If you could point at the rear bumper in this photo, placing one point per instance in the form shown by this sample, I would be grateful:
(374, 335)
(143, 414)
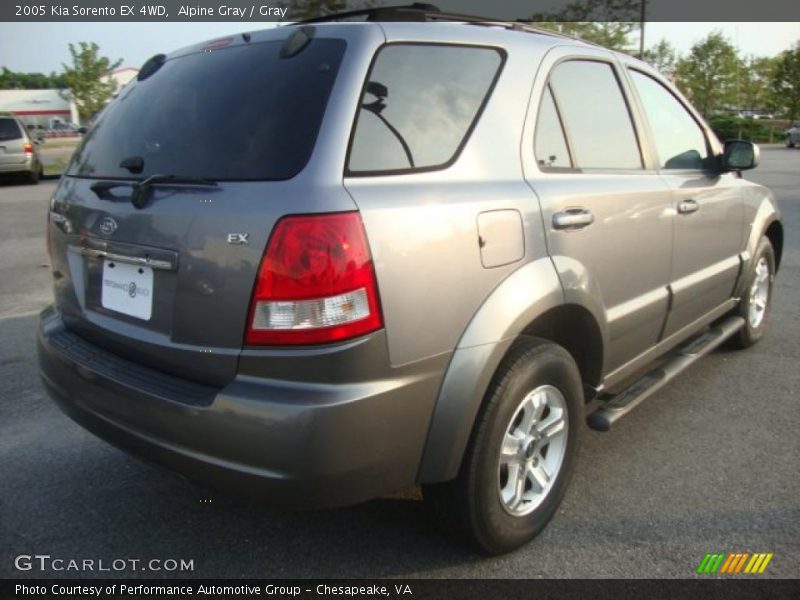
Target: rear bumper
(21, 166)
(304, 445)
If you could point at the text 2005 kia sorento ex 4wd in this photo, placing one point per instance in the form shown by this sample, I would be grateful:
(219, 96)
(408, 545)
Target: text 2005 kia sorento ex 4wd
(330, 260)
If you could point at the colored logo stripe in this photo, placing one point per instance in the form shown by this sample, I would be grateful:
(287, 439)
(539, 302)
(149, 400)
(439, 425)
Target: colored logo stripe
(758, 563)
(734, 563)
(710, 563)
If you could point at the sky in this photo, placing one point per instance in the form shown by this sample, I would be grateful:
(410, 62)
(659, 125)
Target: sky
(42, 47)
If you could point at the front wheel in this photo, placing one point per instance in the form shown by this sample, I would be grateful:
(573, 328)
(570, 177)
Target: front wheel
(755, 303)
(517, 466)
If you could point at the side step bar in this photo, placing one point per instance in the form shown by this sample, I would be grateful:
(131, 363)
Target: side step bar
(613, 408)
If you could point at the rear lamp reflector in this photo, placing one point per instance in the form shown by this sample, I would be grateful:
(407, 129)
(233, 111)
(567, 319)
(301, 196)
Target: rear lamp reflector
(27, 147)
(316, 283)
(305, 314)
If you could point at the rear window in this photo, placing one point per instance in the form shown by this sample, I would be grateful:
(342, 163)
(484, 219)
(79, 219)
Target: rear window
(419, 106)
(9, 130)
(236, 113)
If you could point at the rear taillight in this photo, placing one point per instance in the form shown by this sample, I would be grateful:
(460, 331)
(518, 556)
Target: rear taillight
(27, 147)
(316, 283)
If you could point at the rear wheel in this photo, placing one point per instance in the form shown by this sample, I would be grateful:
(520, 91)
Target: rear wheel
(35, 175)
(755, 303)
(517, 467)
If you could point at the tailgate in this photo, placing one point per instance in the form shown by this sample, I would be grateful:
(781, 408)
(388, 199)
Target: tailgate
(169, 284)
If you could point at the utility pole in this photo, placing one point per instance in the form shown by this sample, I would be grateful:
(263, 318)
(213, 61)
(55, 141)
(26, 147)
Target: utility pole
(642, 6)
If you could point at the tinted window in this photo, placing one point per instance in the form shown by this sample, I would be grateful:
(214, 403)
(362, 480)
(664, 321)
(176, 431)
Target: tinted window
(551, 146)
(240, 112)
(419, 105)
(9, 130)
(680, 142)
(595, 115)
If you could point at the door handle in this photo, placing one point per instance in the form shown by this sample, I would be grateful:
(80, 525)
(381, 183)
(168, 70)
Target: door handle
(688, 206)
(573, 218)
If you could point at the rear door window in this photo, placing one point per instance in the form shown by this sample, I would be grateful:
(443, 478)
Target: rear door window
(420, 103)
(241, 112)
(9, 130)
(551, 144)
(596, 116)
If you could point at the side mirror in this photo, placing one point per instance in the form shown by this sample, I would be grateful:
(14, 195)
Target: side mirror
(740, 155)
(82, 130)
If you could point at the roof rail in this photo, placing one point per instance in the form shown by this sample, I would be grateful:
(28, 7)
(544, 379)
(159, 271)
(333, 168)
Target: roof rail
(420, 13)
(416, 12)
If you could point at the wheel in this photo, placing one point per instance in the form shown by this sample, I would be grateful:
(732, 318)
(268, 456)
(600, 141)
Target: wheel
(517, 465)
(35, 175)
(755, 303)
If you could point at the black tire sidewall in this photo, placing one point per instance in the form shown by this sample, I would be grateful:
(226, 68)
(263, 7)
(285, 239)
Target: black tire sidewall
(537, 364)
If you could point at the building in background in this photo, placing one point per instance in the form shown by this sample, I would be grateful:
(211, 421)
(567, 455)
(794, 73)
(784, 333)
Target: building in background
(39, 109)
(48, 110)
(122, 76)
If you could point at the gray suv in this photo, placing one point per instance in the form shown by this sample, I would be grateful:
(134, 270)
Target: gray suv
(326, 261)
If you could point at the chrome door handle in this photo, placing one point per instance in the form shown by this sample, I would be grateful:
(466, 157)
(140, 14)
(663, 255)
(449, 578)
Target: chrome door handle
(573, 218)
(687, 206)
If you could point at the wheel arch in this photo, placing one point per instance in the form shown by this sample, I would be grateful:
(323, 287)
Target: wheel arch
(530, 302)
(763, 218)
(774, 232)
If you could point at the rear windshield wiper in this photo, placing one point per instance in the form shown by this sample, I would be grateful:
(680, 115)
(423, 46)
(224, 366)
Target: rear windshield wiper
(141, 189)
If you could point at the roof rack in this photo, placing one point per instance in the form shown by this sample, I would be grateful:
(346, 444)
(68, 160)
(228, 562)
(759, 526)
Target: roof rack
(419, 12)
(416, 12)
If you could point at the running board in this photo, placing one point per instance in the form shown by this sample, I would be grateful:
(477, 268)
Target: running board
(617, 406)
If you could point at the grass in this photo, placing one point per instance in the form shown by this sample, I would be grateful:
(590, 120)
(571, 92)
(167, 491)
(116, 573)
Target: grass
(61, 142)
(55, 168)
(55, 154)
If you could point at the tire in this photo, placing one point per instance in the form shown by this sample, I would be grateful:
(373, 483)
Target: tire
(537, 382)
(754, 306)
(35, 175)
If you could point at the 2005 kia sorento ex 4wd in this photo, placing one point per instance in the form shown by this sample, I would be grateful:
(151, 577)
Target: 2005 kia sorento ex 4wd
(327, 261)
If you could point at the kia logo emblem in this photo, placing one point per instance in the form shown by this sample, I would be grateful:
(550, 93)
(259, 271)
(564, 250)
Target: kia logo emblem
(108, 226)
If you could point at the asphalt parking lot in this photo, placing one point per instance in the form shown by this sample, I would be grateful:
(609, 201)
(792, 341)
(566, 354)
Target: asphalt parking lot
(710, 464)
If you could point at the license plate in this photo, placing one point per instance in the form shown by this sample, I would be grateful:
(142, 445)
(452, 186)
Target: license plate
(127, 289)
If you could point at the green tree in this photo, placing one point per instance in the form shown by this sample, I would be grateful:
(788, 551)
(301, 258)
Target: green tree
(754, 82)
(86, 79)
(708, 75)
(662, 57)
(11, 80)
(608, 23)
(785, 86)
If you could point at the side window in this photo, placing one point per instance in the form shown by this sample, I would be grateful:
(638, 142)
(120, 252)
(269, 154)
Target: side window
(679, 140)
(551, 145)
(595, 115)
(9, 130)
(419, 106)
